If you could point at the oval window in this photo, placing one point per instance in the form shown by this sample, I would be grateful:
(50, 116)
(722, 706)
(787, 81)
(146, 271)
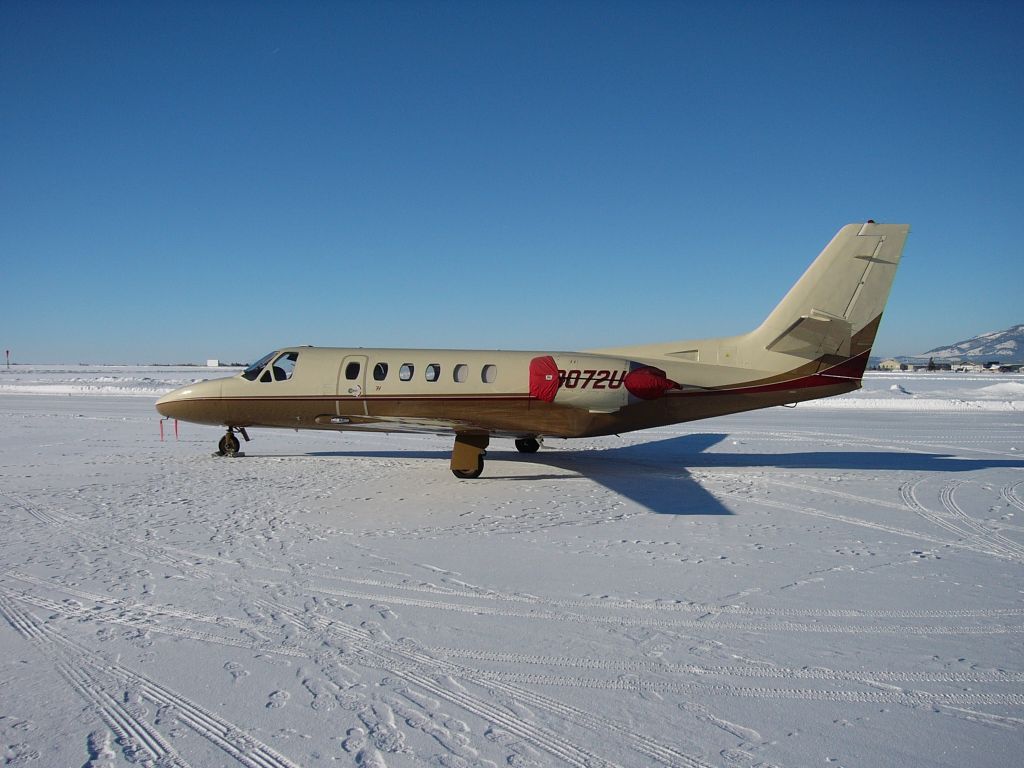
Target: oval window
(461, 373)
(380, 371)
(489, 374)
(433, 372)
(352, 371)
(406, 371)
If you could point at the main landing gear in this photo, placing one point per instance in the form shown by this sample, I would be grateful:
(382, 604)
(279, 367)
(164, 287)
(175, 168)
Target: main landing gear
(228, 445)
(468, 455)
(528, 445)
(470, 449)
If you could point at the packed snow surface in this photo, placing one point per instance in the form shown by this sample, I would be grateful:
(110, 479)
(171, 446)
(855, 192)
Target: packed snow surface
(824, 585)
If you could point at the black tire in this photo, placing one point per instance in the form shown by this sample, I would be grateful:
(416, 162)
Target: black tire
(228, 445)
(470, 474)
(527, 445)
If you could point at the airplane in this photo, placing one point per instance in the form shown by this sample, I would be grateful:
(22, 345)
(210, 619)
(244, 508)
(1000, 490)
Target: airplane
(814, 344)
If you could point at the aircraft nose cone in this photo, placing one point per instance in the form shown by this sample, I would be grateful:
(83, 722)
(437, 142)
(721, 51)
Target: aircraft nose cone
(197, 402)
(167, 405)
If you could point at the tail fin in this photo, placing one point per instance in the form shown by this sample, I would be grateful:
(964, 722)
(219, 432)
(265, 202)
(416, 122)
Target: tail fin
(827, 321)
(832, 313)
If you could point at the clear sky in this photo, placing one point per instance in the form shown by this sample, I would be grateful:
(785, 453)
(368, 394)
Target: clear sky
(189, 180)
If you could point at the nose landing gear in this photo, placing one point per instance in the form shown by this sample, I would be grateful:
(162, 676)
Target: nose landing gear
(229, 445)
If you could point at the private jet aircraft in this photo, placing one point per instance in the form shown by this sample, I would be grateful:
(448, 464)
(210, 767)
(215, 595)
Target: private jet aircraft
(814, 344)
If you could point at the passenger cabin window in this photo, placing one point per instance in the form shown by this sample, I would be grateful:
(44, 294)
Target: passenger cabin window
(352, 371)
(433, 372)
(489, 374)
(461, 373)
(380, 371)
(282, 368)
(406, 371)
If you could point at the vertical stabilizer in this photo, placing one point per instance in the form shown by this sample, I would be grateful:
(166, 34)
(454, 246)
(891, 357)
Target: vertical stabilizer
(832, 313)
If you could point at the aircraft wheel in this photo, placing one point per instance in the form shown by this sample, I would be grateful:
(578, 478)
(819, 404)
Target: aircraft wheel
(228, 445)
(527, 445)
(470, 474)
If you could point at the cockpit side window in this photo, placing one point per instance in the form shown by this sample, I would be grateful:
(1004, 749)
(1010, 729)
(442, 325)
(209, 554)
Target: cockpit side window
(281, 369)
(254, 369)
(284, 366)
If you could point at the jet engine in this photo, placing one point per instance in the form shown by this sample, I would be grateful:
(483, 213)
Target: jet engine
(596, 384)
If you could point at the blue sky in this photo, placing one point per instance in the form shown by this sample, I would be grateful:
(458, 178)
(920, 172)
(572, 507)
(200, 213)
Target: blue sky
(189, 180)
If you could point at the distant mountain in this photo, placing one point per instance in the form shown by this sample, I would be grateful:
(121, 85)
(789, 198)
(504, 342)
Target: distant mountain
(1005, 346)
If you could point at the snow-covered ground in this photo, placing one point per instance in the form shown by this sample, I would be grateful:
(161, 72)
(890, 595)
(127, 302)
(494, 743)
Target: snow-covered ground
(835, 584)
(134, 380)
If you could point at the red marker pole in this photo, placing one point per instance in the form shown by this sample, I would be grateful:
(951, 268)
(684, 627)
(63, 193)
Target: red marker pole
(161, 430)
(175, 429)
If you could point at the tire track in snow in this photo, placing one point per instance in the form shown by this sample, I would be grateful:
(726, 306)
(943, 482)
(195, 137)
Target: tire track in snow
(375, 653)
(144, 617)
(127, 545)
(973, 534)
(984, 533)
(419, 668)
(495, 596)
(908, 493)
(895, 696)
(148, 552)
(887, 694)
(689, 624)
(904, 446)
(641, 743)
(146, 621)
(149, 619)
(128, 607)
(137, 738)
(82, 666)
(500, 681)
(749, 670)
(33, 510)
(1009, 493)
(668, 606)
(986, 540)
(911, 534)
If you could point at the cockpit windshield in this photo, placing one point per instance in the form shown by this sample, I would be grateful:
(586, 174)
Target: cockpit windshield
(282, 369)
(254, 369)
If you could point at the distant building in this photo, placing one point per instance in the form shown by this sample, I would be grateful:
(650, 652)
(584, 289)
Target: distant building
(213, 363)
(890, 364)
(969, 367)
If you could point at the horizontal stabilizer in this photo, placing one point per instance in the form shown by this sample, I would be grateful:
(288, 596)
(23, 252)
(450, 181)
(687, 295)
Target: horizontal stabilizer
(810, 336)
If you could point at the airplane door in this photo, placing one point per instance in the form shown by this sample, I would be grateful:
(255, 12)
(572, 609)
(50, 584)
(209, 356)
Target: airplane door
(352, 383)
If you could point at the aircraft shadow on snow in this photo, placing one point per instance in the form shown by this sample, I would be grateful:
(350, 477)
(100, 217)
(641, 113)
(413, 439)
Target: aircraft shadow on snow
(656, 474)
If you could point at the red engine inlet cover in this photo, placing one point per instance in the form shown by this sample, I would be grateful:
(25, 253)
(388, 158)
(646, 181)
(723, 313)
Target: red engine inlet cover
(544, 378)
(648, 383)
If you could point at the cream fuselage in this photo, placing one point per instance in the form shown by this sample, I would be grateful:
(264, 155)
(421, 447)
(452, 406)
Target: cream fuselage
(815, 343)
(476, 391)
